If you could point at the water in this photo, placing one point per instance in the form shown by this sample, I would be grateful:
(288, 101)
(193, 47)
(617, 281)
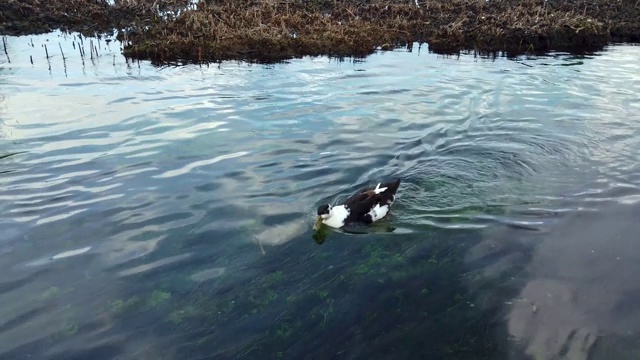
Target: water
(166, 213)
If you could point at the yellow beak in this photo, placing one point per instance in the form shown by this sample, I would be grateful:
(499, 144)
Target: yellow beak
(318, 223)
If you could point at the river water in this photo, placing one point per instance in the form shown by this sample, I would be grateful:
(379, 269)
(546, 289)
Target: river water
(166, 212)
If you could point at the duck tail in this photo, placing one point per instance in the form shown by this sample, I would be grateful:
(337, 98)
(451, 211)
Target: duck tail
(393, 185)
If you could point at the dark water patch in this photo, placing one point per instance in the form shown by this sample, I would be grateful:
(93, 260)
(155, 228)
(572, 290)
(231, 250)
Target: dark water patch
(4, 156)
(292, 314)
(211, 187)
(268, 165)
(302, 141)
(94, 352)
(11, 285)
(21, 319)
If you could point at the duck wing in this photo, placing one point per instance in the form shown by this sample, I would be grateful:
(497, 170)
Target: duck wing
(382, 191)
(362, 202)
(359, 196)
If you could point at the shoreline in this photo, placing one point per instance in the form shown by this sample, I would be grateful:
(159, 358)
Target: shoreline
(269, 31)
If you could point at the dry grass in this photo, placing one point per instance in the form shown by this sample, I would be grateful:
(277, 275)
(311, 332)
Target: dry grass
(271, 30)
(23, 17)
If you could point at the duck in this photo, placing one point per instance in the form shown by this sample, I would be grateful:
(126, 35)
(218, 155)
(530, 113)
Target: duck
(366, 206)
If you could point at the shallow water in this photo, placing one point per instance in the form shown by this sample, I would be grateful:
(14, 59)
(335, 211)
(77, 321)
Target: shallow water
(166, 212)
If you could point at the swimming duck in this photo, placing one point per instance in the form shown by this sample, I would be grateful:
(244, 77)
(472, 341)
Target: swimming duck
(366, 206)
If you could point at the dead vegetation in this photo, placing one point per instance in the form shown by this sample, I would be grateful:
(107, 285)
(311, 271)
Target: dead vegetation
(272, 30)
(24, 17)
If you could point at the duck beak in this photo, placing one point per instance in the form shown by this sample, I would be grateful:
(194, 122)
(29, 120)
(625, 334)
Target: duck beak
(318, 223)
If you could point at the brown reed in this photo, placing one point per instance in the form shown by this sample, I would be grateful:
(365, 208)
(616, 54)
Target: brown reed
(272, 30)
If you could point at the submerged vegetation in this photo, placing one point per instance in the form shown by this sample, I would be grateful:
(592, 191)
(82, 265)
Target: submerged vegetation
(377, 299)
(272, 30)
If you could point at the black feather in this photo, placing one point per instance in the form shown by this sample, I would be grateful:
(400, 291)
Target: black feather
(361, 203)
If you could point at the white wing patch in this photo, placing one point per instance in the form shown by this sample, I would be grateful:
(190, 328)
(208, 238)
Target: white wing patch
(378, 212)
(338, 216)
(378, 189)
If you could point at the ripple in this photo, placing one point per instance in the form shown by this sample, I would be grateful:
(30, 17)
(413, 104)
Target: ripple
(189, 167)
(159, 264)
(208, 274)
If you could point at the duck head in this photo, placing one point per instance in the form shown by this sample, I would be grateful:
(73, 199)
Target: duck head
(324, 212)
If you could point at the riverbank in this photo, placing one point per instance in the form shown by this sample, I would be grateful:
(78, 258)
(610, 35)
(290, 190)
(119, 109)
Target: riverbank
(271, 30)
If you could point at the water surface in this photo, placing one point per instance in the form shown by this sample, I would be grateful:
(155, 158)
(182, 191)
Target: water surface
(166, 212)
